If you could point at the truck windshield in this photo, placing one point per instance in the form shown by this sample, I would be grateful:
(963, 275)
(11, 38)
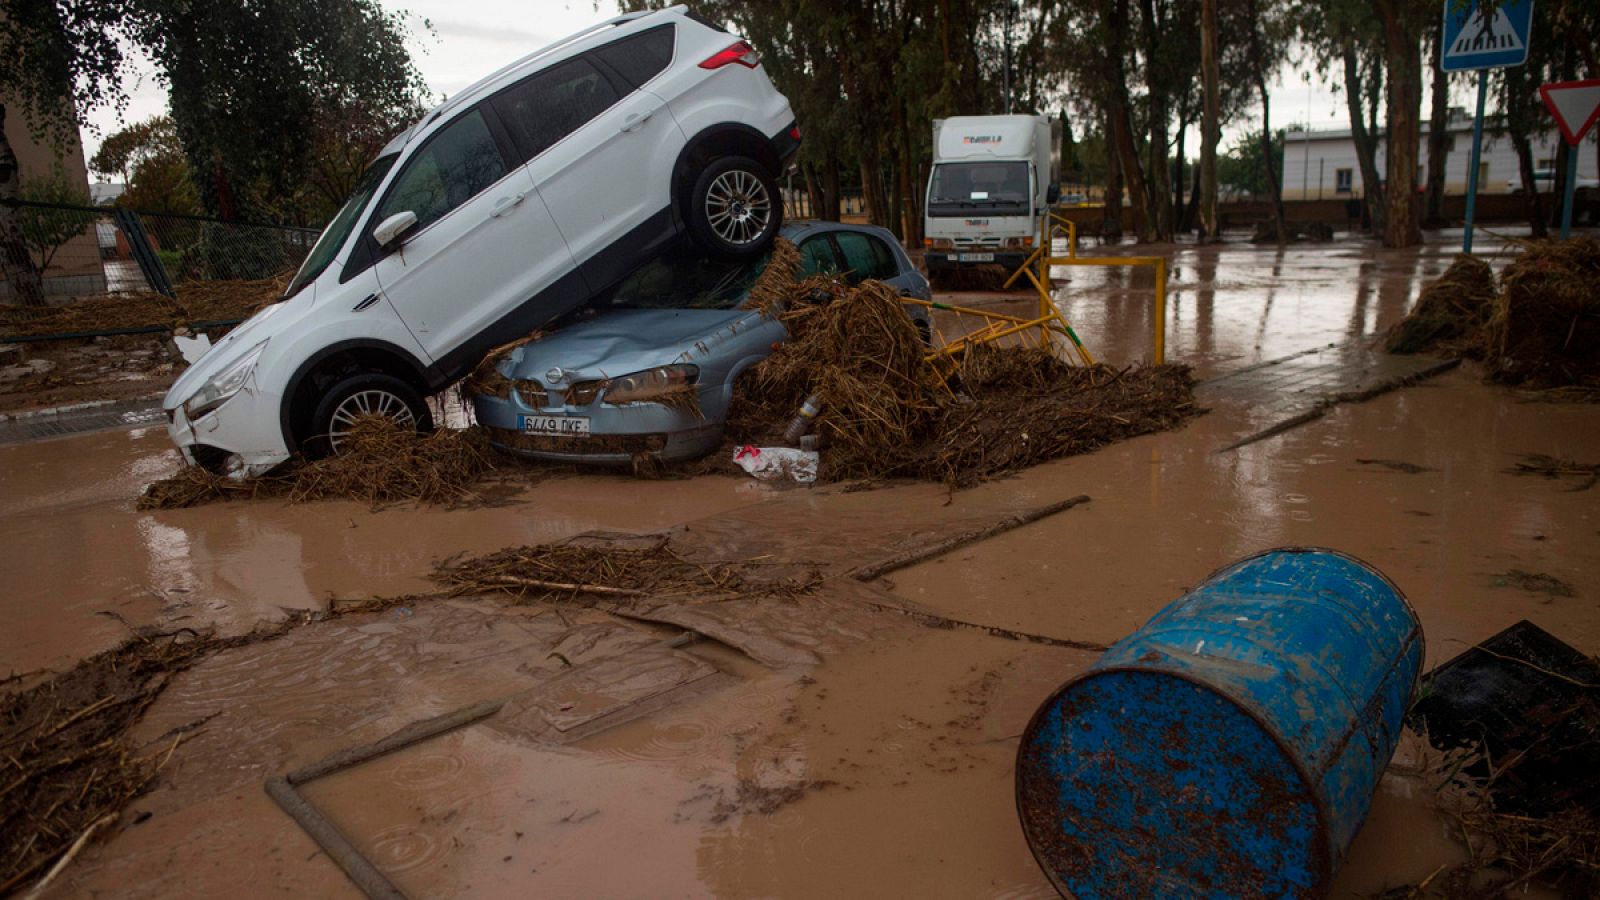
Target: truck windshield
(997, 188)
(327, 246)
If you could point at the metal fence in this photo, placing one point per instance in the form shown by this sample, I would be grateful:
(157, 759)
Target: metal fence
(86, 251)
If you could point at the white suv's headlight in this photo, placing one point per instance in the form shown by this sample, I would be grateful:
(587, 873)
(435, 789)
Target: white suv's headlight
(223, 385)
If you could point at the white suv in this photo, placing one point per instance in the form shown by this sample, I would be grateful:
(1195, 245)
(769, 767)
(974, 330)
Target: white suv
(514, 202)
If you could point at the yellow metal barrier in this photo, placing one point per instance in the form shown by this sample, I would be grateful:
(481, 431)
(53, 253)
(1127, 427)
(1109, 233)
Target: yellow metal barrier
(1051, 225)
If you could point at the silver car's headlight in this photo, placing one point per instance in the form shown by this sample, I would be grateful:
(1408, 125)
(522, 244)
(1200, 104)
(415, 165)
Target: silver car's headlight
(649, 384)
(223, 385)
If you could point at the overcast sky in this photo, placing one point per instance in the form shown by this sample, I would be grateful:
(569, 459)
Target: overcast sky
(472, 38)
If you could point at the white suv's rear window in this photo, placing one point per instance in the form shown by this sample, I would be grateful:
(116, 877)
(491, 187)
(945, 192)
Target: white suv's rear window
(640, 57)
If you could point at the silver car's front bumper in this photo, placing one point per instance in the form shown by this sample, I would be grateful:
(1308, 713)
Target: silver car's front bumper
(616, 433)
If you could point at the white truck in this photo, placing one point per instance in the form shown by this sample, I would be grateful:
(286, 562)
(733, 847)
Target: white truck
(992, 178)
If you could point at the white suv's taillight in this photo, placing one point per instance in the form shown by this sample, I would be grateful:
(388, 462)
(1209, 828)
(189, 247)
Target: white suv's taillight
(741, 53)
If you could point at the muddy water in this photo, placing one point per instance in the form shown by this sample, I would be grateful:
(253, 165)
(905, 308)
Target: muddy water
(1234, 305)
(883, 770)
(78, 552)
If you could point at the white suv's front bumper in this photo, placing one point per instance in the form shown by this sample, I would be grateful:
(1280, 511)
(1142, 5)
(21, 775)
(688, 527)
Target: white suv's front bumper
(241, 438)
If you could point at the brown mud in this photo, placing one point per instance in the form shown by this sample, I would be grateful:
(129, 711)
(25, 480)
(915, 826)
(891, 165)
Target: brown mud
(619, 742)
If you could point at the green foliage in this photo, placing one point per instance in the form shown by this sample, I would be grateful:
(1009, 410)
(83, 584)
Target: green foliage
(46, 230)
(1239, 171)
(61, 58)
(149, 159)
(256, 88)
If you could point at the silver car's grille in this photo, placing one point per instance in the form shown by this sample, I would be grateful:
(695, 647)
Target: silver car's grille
(532, 393)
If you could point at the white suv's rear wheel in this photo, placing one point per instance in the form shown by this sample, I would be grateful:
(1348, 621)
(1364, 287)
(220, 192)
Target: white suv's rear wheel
(734, 208)
(361, 395)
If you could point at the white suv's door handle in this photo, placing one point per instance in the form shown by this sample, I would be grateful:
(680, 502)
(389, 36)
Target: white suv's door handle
(636, 121)
(504, 204)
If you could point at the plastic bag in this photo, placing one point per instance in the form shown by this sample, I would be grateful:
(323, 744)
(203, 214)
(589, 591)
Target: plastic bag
(777, 463)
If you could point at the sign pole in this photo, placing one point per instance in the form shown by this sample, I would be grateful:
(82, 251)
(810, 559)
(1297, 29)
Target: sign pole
(1571, 191)
(1477, 152)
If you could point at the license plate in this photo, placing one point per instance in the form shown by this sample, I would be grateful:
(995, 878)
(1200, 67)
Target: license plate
(975, 257)
(556, 426)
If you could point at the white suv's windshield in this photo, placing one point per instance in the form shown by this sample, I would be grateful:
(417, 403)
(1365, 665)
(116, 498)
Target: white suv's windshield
(333, 237)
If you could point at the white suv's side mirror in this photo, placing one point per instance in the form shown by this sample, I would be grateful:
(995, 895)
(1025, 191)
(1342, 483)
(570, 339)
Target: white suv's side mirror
(393, 227)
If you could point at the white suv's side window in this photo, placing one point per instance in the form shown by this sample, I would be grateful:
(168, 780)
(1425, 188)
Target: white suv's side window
(554, 103)
(457, 163)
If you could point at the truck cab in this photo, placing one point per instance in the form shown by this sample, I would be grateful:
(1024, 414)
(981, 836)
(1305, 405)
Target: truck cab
(992, 179)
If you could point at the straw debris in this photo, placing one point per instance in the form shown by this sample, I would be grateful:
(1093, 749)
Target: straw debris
(1507, 851)
(1451, 311)
(68, 764)
(198, 302)
(1545, 332)
(887, 413)
(1541, 330)
(381, 463)
(1586, 474)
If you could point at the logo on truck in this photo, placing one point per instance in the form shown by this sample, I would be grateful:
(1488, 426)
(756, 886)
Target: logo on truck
(981, 139)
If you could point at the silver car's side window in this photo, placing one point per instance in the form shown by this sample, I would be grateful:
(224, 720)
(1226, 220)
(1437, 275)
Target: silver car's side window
(816, 257)
(452, 168)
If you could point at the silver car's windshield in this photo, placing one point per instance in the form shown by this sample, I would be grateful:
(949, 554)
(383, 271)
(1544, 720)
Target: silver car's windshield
(333, 237)
(687, 281)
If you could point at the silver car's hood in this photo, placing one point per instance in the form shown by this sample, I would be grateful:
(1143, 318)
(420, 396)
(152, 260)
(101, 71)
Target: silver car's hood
(620, 342)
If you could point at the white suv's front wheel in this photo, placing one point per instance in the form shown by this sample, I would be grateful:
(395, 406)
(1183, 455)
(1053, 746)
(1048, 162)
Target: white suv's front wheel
(365, 395)
(734, 208)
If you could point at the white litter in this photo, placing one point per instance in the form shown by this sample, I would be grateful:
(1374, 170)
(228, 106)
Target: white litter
(777, 463)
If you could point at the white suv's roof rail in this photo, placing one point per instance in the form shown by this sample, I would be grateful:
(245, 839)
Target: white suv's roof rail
(471, 90)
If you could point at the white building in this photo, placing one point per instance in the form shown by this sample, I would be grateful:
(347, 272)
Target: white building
(1321, 165)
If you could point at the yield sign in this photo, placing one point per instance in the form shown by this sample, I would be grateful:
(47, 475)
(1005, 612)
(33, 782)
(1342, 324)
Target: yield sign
(1575, 104)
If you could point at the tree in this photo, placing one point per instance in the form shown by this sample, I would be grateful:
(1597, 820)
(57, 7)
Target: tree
(278, 66)
(58, 59)
(149, 159)
(47, 228)
(1210, 122)
(1261, 33)
(1342, 35)
(1403, 23)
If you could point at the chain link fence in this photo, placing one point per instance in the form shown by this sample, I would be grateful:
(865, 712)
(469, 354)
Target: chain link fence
(87, 251)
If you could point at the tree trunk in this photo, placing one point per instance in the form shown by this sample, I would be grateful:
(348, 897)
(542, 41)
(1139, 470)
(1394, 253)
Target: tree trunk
(1403, 56)
(831, 199)
(1438, 136)
(1118, 108)
(1158, 199)
(1178, 166)
(813, 191)
(1210, 121)
(1530, 190)
(1111, 222)
(1366, 149)
(1258, 70)
(27, 286)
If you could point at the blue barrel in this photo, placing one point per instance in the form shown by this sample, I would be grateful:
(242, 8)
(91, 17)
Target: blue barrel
(1231, 746)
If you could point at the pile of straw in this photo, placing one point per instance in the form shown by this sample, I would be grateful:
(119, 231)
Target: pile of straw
(198, 301)
(886, 413)
(1451, 311)
(567, 570)
(380, 463)
(1541, 330)
(69, 766)
(1545, 331)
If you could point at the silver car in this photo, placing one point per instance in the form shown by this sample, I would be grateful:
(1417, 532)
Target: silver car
(677, 322)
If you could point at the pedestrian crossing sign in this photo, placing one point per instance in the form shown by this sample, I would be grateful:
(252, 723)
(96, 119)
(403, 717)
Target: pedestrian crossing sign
(1483, 34)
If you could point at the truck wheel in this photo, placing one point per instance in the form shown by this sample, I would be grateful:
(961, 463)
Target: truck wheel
(734, 208)
(364, 394)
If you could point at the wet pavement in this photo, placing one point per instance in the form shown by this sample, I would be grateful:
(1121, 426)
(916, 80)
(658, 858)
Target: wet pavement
(883, 769)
